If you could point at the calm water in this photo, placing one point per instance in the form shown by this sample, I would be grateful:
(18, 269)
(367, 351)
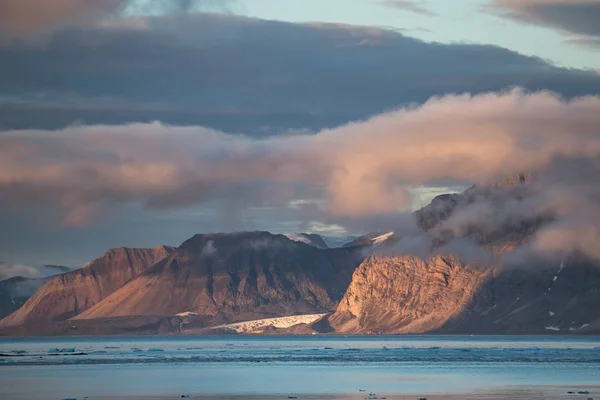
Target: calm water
(46, 368)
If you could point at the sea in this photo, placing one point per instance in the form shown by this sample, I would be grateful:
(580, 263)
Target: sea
(327, 367)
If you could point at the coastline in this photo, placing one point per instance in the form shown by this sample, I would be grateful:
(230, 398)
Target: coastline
(512, 393)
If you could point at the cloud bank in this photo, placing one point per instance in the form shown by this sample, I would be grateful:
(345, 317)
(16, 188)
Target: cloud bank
(358, 173)
(248, 76)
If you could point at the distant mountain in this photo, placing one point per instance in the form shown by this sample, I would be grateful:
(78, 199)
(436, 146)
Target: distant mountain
(331, 242)
(374, 238)
(57, 269)
(15, 291)
(236, 276)
(71, 293)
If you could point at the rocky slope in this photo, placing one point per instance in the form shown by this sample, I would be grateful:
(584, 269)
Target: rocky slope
(405, 294)
(69, 294)
(392, 293)
(236, 277)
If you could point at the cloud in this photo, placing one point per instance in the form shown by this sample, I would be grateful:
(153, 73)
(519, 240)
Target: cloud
(24, 17)
(585, 42)
(19, 18)
(9, 270)
(578, 17)
(243, 75)
(209, 249)
(410, 6)
(358, 171)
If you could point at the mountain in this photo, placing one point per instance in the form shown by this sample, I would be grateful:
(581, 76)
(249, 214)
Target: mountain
(236, 276)
(311, 239)
(399, 293)
(405, 294)
(68, 294)
(368, 285)
(15, 291)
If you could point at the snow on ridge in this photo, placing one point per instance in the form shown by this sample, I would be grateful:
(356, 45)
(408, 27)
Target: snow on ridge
(581, 327)
(298, 237)
(279, 322)
(382, 238)
(186, 314)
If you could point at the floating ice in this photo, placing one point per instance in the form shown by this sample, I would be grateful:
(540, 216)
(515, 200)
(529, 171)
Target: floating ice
(66, 350)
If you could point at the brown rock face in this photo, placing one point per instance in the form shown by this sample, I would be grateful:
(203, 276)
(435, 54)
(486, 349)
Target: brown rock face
(69, 294)
(405, 294)
(236, 276)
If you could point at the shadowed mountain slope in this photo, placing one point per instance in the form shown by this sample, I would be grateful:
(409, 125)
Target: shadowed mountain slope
(237, 276)
(69, 294)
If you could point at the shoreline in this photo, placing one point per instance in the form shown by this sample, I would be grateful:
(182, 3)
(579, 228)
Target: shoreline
(512, 393)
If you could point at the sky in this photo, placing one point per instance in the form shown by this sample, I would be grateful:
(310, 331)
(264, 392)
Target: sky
(142, 122)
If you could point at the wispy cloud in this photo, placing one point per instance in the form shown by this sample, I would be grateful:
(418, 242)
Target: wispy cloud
(416, 7)
(9, 270)
(579, 17)
(593, 43)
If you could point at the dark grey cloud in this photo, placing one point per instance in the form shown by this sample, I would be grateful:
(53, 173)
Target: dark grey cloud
(417, 7)
(246, 75)
(580, 17)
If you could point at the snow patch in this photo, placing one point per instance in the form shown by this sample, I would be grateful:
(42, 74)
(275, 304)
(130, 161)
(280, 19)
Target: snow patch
(186, 314)
(555, 278)
(552, 328)
(581, 327)
(551, 313)
(297, 237)
(280, 322)
(382, 238)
